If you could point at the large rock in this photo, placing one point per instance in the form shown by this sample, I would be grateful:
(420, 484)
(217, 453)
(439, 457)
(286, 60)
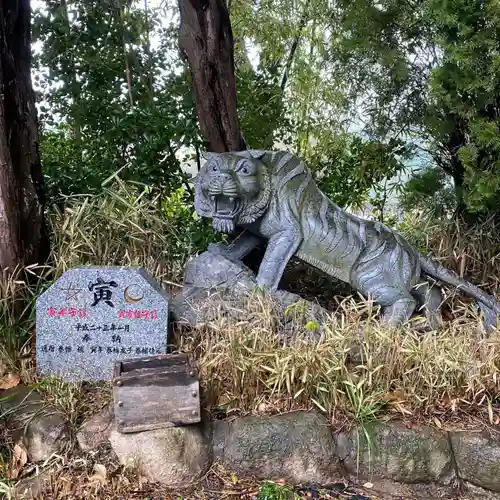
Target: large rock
(397, 452)
(215, 286)
(297, 446)
(41, 428)
(96, 430)
(45, 435)
(478, 458)
(174, 456)
(211, 269)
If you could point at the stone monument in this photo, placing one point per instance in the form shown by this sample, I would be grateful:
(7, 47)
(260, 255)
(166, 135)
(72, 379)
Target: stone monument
(272, 195)
(92, 316)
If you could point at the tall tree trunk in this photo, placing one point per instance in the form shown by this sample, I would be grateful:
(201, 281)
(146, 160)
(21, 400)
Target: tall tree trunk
(206, 41)
(23, 238)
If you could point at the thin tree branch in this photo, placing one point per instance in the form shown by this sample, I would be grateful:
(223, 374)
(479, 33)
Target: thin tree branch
(125, 53)
(295, 44)
(179, 169)
(147, 49)
(198, 157)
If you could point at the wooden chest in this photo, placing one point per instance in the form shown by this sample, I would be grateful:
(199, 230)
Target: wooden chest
(155, 392)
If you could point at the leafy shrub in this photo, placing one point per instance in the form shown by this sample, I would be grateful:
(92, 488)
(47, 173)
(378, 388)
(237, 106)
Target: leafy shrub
(348, 166)
(430, 192)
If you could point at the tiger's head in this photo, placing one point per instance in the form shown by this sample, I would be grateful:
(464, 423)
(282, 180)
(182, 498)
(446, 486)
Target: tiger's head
(233, 189)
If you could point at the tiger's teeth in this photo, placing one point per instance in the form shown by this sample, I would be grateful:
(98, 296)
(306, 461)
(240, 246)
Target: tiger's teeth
(231, 199)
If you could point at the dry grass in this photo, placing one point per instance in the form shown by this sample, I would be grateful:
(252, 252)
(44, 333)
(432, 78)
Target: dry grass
(100, 476)
(126, 225)
(473, 252)
(246, 366)
(244, 362)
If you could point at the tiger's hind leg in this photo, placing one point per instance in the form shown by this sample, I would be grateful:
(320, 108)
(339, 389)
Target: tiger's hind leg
(396, 301)
(429, 297)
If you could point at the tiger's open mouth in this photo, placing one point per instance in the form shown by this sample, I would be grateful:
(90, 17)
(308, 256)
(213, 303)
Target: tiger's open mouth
(225, 206)
(225, 210)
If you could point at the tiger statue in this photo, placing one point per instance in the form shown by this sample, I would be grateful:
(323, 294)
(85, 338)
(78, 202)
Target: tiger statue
(273, 196)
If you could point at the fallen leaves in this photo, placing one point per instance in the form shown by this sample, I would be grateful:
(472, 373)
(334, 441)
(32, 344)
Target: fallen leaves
(9, 380)
(19, 459)
(397, 396)
(100, 475)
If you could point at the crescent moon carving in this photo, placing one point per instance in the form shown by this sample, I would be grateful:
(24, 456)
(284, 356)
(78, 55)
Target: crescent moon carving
(128, 298)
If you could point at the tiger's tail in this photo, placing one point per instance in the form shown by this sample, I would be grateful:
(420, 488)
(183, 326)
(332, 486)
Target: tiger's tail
(486, 302)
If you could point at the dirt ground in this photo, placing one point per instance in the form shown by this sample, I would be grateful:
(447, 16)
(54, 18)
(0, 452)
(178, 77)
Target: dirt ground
(99, 475)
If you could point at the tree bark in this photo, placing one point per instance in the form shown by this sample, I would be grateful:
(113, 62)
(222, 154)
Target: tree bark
(206, 41)
(23, 237)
